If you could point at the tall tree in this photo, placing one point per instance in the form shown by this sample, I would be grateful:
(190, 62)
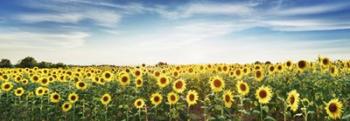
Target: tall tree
(5, 63)
(27, 62)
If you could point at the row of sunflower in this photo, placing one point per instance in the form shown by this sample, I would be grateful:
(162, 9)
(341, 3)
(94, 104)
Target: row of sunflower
(302, 90)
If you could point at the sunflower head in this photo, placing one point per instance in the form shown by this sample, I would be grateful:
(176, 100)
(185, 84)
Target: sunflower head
(179, 85)
(44, 81)
(55, 97)
(81, 85)
(293, 100)
(191, 97)
(259, 75)
(156, 99)
(227, 97)
(6, 86)
(242, 88)
(172, 98)
(73, 97)
(163, 81)
(108, 76)
(138, 82)
(217, 84)
(106, 99)
(302, 65)
(19, 91)
(334, 109)
(139, 103)
(66, 106)
(124, 79)
(263, 94)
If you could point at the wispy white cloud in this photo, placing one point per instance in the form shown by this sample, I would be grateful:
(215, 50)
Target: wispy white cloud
(305, 25)
(28, 40)
(306, 10)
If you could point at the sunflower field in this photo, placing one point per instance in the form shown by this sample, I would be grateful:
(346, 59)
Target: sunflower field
(303, 90)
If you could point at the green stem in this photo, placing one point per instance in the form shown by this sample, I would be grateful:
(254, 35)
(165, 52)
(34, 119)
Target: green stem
(261, 113)
(139, 114)
(106, 113)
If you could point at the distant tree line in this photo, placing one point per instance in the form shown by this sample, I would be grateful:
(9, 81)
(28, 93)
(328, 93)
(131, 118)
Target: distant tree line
(30, 62)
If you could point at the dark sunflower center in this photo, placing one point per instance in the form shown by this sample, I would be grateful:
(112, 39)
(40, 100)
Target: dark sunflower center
(55, 97)
(156, 99)
(325, 61)
(66, 106)
(73, 97)
(124, 79)
(227, 98)
(81, 84)
(258, 74)
(138, 82)
(292, 100)
(242, 87)
(217, 83)
(44, 81)
(332, 107)
(238, 72)
(172, 97)
(7, 86)
(289, 64)
(40, 91)
(137, 73)
(157, 74)
(19, 91)
(302, 64)
(162, 80)
(191, 97)
(178, 85)
(332, 70)
(262, 94)
(272, 68)
(105, 98)
(107, 75)
(35, 78)
(138, 103)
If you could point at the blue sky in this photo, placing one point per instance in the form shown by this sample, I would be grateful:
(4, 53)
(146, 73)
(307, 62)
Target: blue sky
(181, 32)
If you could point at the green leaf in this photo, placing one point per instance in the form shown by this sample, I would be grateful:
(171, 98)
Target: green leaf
(269, 118)
(346, 116)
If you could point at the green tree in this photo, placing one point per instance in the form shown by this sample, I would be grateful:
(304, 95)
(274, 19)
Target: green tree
(5, 63)
(27, 62)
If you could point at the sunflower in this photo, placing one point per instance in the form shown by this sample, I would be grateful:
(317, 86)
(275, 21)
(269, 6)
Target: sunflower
(35, 78)
(179, 85)
(227, 97)
(302, 64)
(156, 98)
(242, 88)
(138, 73)
(163, 81)
(40, 91)
(263, 94)
(139, 103)
(325, 62)
(334, 108)
(81, 85)
(106, 99)
(333, 70)
(6, 86)
(288, 64)
(108, 76)
(44, 81)
(293, 100)
(217, 84)
(24, 81)
(259, 75)
(238, 73)
(66, 106)
(55, 97)
(172, 98)
(138, 82)
(191, 97)
(19, 91)
(124, 79)
(73, 97)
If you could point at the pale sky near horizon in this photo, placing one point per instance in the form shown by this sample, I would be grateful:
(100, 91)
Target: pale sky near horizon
(178, 32)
